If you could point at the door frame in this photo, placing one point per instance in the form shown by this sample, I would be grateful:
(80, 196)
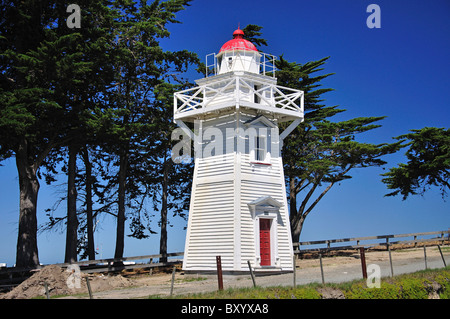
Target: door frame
(266, 207)
(272, 217)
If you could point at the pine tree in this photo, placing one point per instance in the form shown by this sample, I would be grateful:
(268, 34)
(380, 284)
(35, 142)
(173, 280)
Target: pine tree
(120, 123)
(428, 163)
(30, 116)
(139, 66)
(51, 77)
(171, 183)
(320, 153)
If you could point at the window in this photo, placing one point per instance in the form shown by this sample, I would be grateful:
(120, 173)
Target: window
(230, 62)
(260, 132)
(260, 148)
(257, 98)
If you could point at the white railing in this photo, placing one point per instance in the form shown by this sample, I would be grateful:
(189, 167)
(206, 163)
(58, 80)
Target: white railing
(266, 64)
(239, 90)
(211, 64)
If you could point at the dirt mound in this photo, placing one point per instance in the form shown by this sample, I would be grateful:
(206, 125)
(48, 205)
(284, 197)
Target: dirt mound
(54, 276)
(101, 282)
(63, 282)
(330, 293)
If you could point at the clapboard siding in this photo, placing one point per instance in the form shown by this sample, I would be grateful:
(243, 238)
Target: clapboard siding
(269, 171)
(250, 191)
(211, 226)
(263, 180)
(220, 222)
(216, 165)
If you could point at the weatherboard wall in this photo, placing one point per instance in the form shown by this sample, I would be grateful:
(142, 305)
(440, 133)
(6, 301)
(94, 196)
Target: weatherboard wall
(220, 221)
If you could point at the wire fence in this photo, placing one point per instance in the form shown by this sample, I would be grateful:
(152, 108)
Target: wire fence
(317, 250)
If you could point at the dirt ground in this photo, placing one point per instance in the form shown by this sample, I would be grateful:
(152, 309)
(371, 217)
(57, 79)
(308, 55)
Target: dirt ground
(142, 285)
(58, 281)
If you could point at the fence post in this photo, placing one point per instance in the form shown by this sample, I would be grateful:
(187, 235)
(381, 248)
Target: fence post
(425, 255)
(46, 290)
(219, 272)
(295, 273)
(88, 284)
(363, 262)
(390, 258)
(173, 279)
(442, 256)
(321, 269)
(251, 273)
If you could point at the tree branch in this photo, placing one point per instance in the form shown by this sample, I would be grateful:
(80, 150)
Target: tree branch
(317, 200)
(307, 197)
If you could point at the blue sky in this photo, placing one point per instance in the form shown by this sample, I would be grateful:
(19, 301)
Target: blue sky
(400, 71)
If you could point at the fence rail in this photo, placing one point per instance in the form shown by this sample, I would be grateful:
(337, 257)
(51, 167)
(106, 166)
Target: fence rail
(108, 264)
(12, 276)
(387, 241)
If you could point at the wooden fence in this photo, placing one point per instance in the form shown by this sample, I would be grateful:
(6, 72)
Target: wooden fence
(110, 264)
(118, 264)
(386, 240)
(11, 276)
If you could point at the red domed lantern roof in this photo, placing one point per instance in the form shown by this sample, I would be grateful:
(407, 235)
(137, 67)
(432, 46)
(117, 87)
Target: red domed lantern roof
(238, 43)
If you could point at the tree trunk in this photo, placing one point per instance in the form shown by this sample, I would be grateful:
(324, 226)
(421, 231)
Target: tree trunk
(294, 217)
(89, 209)
(27, 249)
(297, 229)
(120, 233)
(163, 240)
(72, 220)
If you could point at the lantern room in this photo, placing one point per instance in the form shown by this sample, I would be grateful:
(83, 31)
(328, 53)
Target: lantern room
(238, 54)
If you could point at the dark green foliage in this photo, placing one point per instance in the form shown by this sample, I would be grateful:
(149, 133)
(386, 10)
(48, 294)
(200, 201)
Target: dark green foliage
(252, 33)
(428, 163)
(89, 91)
(409, 286)
(319, 153)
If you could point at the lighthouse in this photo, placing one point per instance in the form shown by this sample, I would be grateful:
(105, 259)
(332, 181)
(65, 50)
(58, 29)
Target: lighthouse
(238, 207)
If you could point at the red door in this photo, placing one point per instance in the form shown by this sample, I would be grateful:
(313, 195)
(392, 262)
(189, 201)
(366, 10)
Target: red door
(264, 241)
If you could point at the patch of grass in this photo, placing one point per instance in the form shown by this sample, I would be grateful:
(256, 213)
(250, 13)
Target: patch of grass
(408, 286)
(360, 291)
(192, 279)
(279, 292)
(80, 295)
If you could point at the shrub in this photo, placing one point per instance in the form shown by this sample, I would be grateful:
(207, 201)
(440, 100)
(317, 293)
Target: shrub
(413, 288)
(443, 278)
(306, 293)
(386, 291)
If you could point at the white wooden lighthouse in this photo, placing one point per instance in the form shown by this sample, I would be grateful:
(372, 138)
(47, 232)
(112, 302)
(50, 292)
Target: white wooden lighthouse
(238, 206)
